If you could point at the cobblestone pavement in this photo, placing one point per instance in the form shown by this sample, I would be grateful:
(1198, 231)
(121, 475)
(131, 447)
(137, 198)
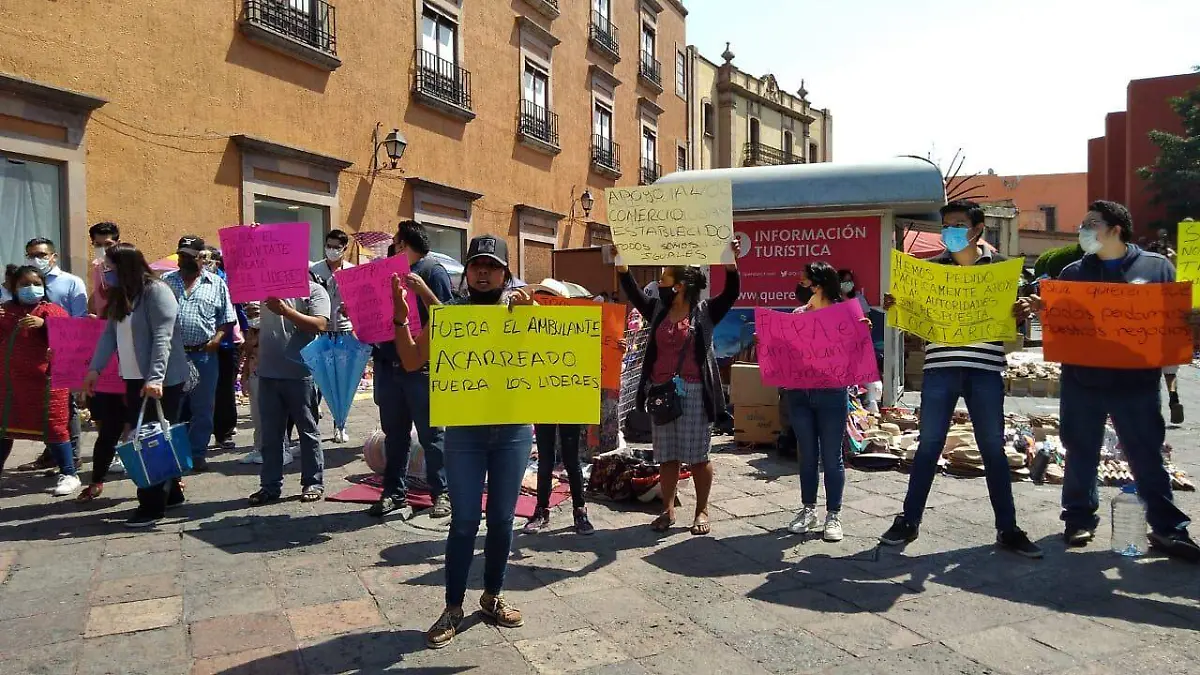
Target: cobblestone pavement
(322, 588)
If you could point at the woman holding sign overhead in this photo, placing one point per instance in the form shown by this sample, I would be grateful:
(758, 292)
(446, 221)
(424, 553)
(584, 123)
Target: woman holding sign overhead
(30, 408)
(495, 455)
(680, 386)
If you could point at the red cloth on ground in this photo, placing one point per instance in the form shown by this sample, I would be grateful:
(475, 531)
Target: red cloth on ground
(29, 409)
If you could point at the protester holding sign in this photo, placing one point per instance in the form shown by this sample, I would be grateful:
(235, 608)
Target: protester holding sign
(1130, 395)
(495, 454)
(141, 332)
(818, 413)
(680, 385)
(31, 408)
(403, 396)
(974, 373)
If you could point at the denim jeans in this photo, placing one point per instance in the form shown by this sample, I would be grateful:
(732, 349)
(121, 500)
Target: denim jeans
(983, 392)
(818, 417)
(152, 501)
(277, 400)
(567, 436)
(200, 402)
(497, 455)
(62, 453)
(403, 400)
(1139, 423)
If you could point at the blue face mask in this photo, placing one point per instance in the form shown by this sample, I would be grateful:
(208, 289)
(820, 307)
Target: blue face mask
(110, 278)
(955, 238)
(31, 295)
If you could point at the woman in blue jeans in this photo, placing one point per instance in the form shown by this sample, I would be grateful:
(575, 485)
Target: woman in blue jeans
(495, 455)
(818, 417)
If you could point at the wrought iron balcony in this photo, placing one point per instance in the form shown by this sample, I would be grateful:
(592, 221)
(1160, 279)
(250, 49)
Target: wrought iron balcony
(307, 30)
(650, 70)
(650, 172)
(439, 82)
(538, 124)
(604, 36)
(757, 154)
(606, 154)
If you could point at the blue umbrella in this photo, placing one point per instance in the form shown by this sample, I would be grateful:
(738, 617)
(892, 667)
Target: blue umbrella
(337, 365)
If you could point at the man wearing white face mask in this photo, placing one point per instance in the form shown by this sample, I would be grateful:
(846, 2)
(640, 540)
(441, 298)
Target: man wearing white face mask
(973, 373)
(1131, 397)
(336, 243)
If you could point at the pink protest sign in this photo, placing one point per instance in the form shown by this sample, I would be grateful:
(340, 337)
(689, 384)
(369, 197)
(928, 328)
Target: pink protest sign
(266, 261)
(367, 293)
(818, 349)
(72, 343)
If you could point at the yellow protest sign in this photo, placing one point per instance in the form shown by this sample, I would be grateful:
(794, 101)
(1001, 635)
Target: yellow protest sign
(531, 365)
(954, 305)
(672, 224)
(1187, 258)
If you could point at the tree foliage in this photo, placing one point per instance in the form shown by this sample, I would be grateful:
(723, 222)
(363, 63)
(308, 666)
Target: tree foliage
(1052, 261)
(1174, 177)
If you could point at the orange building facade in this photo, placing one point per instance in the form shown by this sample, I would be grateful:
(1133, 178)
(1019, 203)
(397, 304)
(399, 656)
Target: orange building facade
(186, 119)
(1113, 159)
(1053, 202)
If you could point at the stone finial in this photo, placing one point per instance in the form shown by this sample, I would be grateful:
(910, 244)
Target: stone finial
(727, 55)
(803, 92)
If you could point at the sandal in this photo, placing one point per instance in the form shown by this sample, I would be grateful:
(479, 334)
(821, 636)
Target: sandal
(662, 523)
(259, 498)
(312, 493)
(701, 525)
(89, 493)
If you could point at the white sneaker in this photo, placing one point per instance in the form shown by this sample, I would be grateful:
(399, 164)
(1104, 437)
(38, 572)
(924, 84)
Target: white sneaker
(805, 521)
(117, 465)
(340, 436)
(833, 527)
(66, 485)
(252, 457)
(287, 457)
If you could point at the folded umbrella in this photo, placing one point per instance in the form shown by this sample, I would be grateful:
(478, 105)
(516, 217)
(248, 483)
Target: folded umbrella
(337, 365)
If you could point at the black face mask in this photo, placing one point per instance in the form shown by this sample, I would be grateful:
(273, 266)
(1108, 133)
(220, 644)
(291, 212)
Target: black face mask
(666, 294)
(189, 265)
(803, 294)
(489, 297)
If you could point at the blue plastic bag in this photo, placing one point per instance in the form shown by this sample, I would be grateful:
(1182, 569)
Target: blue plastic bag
(152, 456)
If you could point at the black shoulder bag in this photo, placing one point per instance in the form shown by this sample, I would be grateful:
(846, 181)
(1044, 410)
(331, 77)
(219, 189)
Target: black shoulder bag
(664, 402)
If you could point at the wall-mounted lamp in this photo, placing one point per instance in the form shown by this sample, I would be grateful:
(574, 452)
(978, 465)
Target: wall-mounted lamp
(587, 202)
(394, 144)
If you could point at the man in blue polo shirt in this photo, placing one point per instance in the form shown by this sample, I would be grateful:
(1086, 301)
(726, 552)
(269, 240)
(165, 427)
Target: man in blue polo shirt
(205, 316)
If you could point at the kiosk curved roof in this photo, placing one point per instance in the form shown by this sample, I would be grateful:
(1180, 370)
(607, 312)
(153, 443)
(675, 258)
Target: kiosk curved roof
(904, 184)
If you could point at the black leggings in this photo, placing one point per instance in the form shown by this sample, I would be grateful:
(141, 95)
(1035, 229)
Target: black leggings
(568, 446)
(225, 404)
(110, 417)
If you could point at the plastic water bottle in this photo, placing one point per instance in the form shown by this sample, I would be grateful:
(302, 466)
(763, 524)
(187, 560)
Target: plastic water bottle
(1128, 523)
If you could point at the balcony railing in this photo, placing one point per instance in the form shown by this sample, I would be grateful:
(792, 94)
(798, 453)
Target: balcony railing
(650, 172)
(443, 79)
(757, 154)
(315, 27)
(538, 123)
(606, 153)
(650, 69)
(604, 35)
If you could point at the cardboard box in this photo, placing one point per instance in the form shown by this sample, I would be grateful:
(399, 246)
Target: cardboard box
(756, 424)
(746, 387)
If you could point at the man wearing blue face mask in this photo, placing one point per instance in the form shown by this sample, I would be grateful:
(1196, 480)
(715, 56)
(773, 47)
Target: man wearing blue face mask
(1131, 397)
(973, 373)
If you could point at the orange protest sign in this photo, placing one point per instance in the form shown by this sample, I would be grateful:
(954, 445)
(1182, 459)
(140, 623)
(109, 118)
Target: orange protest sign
(1125, 326)
(612, 330)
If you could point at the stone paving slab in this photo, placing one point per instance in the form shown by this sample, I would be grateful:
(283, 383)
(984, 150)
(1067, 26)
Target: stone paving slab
(316, 589)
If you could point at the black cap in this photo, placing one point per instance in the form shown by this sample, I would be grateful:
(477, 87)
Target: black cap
(487, 246)
(191, 245)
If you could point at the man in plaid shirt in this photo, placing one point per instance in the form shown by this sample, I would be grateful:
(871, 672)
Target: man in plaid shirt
(206, 314)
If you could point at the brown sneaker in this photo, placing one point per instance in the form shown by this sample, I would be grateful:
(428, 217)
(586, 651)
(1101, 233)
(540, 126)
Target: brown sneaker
(497, 609)
(442, 633)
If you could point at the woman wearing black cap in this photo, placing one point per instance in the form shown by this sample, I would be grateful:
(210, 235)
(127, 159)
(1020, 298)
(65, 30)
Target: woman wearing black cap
(496, 454)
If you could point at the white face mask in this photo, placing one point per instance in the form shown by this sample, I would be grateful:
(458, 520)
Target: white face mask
(98, 252)
(253, 323)
(334, 254)
(1089, 241)
(847, 286)
(42, 264)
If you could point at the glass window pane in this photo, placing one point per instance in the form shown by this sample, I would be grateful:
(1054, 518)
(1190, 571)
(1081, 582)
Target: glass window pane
(268, 210)
(449, 241)
(30, 206)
